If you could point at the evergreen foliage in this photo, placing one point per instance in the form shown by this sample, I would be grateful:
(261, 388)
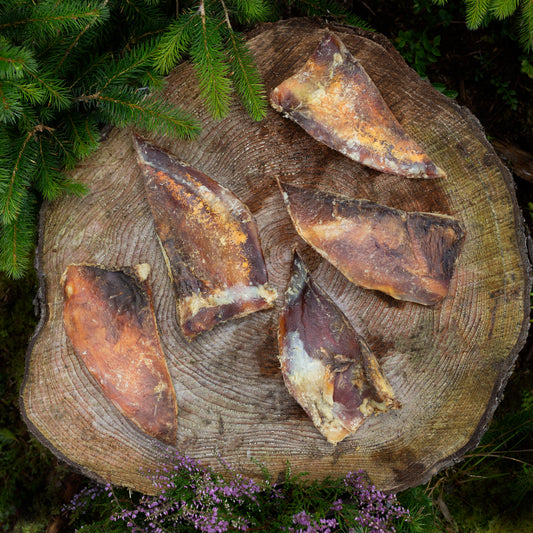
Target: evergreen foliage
(219, 54)
(480, 12)
(66, 68)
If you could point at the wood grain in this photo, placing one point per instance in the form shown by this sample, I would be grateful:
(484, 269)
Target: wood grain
(447, 364)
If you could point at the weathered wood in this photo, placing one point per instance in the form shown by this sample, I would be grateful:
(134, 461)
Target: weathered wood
(447, 364)
(518, 160)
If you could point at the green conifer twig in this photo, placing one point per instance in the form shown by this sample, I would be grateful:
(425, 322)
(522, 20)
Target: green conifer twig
(247, 79)
(480, 12)
(17, 240)
(219, 54)
(15, 188)
(208, 58)
(53, 57)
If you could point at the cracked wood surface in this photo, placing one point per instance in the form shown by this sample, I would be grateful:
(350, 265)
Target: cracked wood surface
(447, 364)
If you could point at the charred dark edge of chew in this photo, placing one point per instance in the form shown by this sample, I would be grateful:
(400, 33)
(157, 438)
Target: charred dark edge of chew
(221, 313)
(134, 277)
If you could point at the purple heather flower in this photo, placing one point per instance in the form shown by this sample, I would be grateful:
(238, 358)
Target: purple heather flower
(337, 505)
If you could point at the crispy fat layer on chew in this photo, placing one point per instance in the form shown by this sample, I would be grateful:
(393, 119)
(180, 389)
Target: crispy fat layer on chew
(409, 256)
(210, 242)
(335, 101)
(110, 322)
(327, 367)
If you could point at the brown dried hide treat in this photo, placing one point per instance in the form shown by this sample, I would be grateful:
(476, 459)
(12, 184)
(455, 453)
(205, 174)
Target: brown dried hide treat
(110, 322)
(209, 239)
(327, 367)
(335, 101)
(409, 256)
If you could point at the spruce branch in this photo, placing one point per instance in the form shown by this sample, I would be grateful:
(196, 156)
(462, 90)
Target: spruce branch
(66, 68)
(480, 12)
(55, 92)
(246, 77)
(127, 69)
(14, 185)
(30, 93)
(476, 13)
(329, 8)
(126, 106)
(504, 8)
(15, 60)
(62, 146)
(251, 11)
(220, 56)
(144, 12)
(104, 16)
(82, 77)
(17, 240)
(11, 107)
(210, 63)
(175, 42)
(49, 180)
(49, 18)
(83, 130)
(526, 25)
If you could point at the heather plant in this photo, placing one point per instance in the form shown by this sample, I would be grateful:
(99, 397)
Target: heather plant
(196, 498)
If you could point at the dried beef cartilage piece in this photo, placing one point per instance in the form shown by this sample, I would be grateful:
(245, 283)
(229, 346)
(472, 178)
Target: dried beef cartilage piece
(334, 100)
(409, 256)
(109, 319)
(327, 367)
(209, 239)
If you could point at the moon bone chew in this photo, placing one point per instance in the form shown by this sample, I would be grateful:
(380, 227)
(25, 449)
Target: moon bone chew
(110, 322)
(209, 239)
(327, 367)
(335, 101)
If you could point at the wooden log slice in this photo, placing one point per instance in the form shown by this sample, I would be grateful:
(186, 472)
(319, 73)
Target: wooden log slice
(447, 364)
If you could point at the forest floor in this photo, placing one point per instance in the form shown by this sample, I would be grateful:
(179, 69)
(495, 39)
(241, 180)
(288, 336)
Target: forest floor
(485, 71)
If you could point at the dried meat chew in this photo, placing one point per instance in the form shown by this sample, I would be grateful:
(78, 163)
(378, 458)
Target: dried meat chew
(410, 256)
(210, 242)
(110, 322)
(335, 101)
(327, 367)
